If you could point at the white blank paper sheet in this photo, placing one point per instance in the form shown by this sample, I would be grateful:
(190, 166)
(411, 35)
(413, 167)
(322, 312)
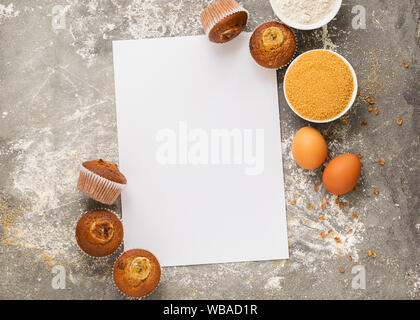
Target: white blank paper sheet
(199, 142)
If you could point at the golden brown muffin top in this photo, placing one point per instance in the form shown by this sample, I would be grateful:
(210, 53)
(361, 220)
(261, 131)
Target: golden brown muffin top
(137, 273)
(272, 45)
(105, 169)
(99, 233)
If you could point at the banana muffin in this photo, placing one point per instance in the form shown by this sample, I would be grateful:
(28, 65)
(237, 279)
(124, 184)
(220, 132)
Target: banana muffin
(99, 233)
(272, 45)
(137, 273)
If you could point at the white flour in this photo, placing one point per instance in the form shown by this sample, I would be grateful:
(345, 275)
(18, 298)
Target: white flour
(305, 11)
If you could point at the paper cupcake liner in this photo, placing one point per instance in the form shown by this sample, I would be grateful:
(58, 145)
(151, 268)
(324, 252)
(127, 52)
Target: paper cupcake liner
(126, 295)
(219, 10)
(121, 246)
(97, 187)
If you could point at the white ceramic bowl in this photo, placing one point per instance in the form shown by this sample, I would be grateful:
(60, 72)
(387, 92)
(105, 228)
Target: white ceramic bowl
(353, 97)
(301, 26)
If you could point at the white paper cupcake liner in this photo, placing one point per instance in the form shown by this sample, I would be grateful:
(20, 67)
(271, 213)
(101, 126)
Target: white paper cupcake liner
(97, 187)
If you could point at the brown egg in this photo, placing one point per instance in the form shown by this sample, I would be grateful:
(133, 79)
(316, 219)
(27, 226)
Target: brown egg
(309, 148)
(341, 174)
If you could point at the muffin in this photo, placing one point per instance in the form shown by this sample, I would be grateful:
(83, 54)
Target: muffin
(99, 233)
(272, 45)
(137, 273)
(223, 20)
(101, 180)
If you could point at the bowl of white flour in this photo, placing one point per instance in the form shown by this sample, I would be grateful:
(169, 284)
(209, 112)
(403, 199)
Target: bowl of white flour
(306, 14)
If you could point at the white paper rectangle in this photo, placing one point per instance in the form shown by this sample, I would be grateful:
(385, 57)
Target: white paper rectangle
(187, 213)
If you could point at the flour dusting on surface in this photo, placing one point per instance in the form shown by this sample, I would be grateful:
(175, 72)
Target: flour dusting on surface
(7, 12)
(274, 283)
(134, 20)
(326, 40)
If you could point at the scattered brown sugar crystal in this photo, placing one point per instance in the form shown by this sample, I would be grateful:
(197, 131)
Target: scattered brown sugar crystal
(343, 120)
(350, 231)
(341, 270)
(323, 235)
(364, 122)
(326, 136)
(376, 110)
(309, 206)
(376, 191)
(330, 231)
(372, 101)
(381, 161)
(341, 205)
(319, 85)
(337, 200)
(371, 253)
(356, 188)
(324, 203)
(350, 258)
(321, 217)
(399, 121)
(293, 202)
(316, 187)
(331, 133)
(337, 239)
(370, 108)
(405, 64)
(360, 155)
(355, 215)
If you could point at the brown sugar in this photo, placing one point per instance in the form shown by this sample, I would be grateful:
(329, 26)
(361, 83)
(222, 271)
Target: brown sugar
(319, 85)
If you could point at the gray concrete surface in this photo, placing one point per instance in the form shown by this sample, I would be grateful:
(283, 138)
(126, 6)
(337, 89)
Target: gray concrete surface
(57, 109)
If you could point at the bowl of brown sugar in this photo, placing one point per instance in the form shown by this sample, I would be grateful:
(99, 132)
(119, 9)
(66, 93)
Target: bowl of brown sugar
(320, 86)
